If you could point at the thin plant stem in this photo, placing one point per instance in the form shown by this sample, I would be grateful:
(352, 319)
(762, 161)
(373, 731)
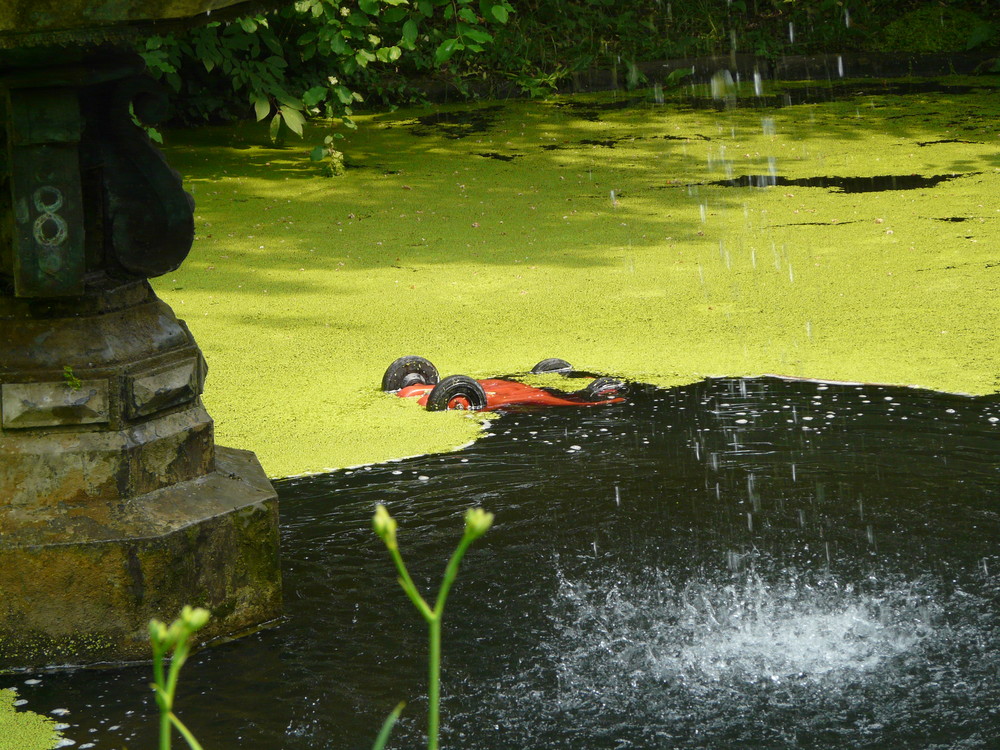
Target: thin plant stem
(477, 521)
(434, 684)
(387, 725)
(185, 732)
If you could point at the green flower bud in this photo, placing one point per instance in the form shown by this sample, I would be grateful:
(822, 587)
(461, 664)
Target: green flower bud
(477, 522)
(157, 631)
(194, 618)
(385, 526)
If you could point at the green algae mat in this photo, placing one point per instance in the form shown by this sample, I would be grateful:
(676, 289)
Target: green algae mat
(24, 730)
(851, 238)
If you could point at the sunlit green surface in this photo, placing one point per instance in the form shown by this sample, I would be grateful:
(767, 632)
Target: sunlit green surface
(23, 730)
(302, 289)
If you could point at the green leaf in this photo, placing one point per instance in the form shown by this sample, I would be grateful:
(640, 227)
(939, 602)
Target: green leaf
(262, 107)
(476, 35)
(338, 45)
(394, 15)
(275, 127)
(314, 96)
(289, 101)
(445, 50)
(293, 119)
(395, 53)
(390, 722)
(317, 153)
(344, 94)
(425, 8)
(467, 15)
(499, 12)
(409, 33)
(369, 6)
(248, 25)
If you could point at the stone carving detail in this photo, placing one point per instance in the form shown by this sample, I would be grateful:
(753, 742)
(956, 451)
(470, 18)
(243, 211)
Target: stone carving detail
(89, 197)
(154, 391)
(54, 404)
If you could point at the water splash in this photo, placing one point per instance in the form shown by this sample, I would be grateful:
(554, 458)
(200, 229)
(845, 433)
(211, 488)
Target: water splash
(702, 635)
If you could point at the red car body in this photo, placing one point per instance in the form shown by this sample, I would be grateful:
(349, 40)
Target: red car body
(502, 393)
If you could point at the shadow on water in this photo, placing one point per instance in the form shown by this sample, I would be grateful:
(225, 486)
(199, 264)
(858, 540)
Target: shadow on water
(874, 184)
(732, 564)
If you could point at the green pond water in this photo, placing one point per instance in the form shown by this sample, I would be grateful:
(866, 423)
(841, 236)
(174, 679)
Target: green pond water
(837, 588)
(617, 232)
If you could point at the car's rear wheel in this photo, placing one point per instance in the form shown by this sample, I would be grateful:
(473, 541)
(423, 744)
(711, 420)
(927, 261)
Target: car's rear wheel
(457, 392)
(603, 389)
(552, 365)
(410, 370)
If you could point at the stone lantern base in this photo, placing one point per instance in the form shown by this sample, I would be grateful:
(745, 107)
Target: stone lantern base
(115, 504)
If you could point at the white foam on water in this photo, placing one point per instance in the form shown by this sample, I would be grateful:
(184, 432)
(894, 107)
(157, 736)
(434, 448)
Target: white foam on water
(609, 639)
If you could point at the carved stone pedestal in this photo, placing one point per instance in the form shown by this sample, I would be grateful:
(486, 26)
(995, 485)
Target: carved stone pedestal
(115, 504)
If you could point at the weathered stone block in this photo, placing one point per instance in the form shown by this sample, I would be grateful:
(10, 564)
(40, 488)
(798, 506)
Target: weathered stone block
(153, 391)
(26, 405)
(52, 469)
(87, 596)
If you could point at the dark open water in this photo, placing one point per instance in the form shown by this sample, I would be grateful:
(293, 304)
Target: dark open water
(733, 564)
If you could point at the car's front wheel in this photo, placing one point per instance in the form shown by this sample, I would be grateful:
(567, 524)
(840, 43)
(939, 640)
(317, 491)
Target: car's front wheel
(457, 392)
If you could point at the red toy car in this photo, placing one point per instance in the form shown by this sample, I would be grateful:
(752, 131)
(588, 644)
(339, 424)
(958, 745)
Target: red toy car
(415, 377)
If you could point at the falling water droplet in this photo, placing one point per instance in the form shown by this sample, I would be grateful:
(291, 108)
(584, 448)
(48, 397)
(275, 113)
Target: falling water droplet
(791, 33)
(703, 211)
(809, 329)
(753, 257)
(772, 170)
(618, 497)
(791, 274)
(758, 84)
(840, 66)
(847, 18)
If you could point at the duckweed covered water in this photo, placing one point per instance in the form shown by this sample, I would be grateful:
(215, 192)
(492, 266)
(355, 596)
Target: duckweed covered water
(841, 229)
(757, 563)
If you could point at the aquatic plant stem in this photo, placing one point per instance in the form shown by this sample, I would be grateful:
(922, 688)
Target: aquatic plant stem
(477, 521)
(176, 638)
(434, 684)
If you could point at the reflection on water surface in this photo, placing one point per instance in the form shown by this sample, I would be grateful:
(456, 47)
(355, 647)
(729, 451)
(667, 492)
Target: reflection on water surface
(732, 564)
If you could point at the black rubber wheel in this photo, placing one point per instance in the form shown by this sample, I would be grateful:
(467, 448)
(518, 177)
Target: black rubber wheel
(552, 365)
(457, 392)
(603, 389)
(409, 371)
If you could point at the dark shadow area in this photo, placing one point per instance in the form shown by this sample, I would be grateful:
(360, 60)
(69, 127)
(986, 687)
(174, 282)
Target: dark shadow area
(875, 184)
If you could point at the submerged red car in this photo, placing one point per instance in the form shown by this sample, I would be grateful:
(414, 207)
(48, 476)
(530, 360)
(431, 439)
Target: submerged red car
(416, 377)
